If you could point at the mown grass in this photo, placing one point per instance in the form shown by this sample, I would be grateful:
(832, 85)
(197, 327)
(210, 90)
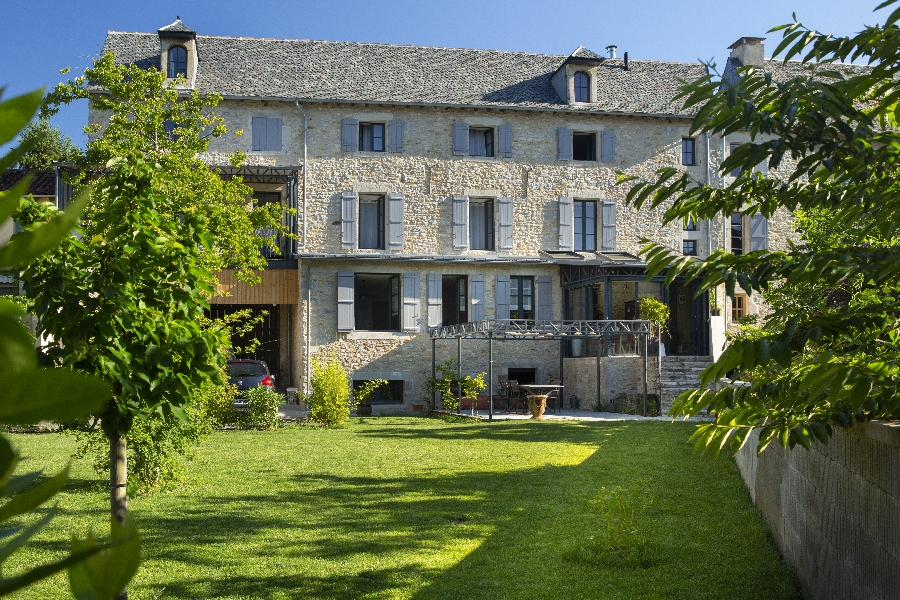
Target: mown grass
(420, 508)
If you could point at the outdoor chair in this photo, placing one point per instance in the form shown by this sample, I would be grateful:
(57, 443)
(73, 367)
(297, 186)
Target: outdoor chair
(501, 400)
(518, 398)
(553, 402)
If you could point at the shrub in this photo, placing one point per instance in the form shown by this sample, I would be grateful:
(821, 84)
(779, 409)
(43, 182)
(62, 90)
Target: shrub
(262, 408)
(329, 402)
(218, 401)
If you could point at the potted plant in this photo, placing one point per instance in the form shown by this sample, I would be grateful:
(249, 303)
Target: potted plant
(363, 394)
(651, 309)
(442, 387)
(470, 387)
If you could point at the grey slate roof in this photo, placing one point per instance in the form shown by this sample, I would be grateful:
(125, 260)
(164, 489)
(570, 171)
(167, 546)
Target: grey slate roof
(361, 72)
(783, 71)
(176, 27)
(43, 182)
(582, 52)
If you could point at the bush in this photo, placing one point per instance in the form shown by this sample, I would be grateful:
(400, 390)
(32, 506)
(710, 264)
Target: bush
(218, 401)
(329, 402)
(262, 408)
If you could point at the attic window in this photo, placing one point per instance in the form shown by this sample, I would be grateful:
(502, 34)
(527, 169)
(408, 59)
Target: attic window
(582, 87)
(177, 61)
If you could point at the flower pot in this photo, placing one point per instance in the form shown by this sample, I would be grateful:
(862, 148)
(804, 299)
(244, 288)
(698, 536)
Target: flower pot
(363, 410)
(537, 404)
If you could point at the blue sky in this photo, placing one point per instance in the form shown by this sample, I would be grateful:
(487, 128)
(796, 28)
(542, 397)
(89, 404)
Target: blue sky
(39, 37)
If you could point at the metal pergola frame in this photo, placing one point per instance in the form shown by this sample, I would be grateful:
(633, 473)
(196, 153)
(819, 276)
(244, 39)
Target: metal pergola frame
(540, 330)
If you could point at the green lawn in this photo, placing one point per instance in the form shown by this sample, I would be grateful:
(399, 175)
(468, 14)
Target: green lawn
(420, 508)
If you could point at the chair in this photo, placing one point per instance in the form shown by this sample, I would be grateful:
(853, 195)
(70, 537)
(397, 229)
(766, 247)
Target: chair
(517, 397)
(501, 400)
(553, 401)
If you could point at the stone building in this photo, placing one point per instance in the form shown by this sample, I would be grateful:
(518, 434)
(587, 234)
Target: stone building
(434, 186)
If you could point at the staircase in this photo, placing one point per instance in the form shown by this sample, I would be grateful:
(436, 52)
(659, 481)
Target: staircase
(679, 374)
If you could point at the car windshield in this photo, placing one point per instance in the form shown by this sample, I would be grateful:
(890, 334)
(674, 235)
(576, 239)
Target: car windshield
(246, 369)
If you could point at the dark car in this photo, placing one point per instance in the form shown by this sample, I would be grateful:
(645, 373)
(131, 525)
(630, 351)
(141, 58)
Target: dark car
(246, 374)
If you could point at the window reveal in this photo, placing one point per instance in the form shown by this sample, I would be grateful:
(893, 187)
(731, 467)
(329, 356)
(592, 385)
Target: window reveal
(585, 225)
(371, 222)
(481, 224)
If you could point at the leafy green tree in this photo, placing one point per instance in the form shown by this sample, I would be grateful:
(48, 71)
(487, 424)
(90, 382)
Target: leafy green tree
(152, 118)
(833, 131)
(46, 145)
(31, 394)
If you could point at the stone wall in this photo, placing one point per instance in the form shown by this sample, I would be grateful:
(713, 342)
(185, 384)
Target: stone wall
(618, 375)
(834, 511)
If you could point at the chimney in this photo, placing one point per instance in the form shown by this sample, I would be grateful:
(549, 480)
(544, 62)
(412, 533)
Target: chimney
(748, 51)
(611, 50)
(625, 56)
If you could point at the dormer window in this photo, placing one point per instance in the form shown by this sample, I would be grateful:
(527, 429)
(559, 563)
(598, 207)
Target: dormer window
(582, 87)
(177, 61)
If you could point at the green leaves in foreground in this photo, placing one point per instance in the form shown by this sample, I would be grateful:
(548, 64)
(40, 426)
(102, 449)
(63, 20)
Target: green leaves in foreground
(31, 394)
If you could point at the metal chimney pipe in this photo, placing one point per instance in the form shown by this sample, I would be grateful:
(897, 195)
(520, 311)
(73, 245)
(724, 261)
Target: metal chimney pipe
(625, 56)
(611, 49)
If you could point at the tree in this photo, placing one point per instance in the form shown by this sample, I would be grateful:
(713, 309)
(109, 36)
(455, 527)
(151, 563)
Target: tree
(171, 127)
(46, 145)
(833, 130)
(31, 394)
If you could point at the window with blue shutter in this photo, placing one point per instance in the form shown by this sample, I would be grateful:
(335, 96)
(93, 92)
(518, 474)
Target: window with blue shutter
(435, 297)
(477, 295)
(759, 233)
(608, 145)
(411, 302)
(608, 241)
(505, 223)
(349, 134)
(501, 297)
(395, 221)
(563, 144)
(460, 222)
(346, 296)
(545, 297)
(395, 135)
(566, 236)
(460, 139)
(266, 134)
(348, 219)
(504, 132)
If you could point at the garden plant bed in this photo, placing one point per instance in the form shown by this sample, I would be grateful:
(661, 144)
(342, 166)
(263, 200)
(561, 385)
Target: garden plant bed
(421, 508)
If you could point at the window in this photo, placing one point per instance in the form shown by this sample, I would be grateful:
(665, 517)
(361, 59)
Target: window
(455, 300)
(585, 225)
(371, 222)
(177, 60)
(371, 137)
(389, 393)
(582, 87)
(521, 297)
(737, 170)
(737, 234)
(481, 224)
(584, 146)
(738, 306)
(687, 152)
(377, 302)
(690, 225)
(266, 133)
(689, 247)
(481, 141)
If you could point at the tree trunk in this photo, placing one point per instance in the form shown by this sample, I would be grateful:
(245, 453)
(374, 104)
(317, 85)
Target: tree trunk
(118, 479)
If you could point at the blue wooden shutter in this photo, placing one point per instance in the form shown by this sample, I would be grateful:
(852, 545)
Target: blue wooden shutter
(759, 233)
(476, 284)
(346, 282)
(395, 135)
(395, 221)
(505, 223)
(411, 302)
(460, 222)
(504, 132)
(349, 135)
(348, 219)
(258, 132)
(564, 144)
(566, 219)
(608, 241)
(273, 135)
(501, 297)
(608, 145)
(435, 299)
(460, 139)
(545, 297)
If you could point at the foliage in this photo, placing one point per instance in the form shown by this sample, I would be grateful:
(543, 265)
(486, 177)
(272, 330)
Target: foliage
(329, 401)
(830, 138)
(46, 145)
(655, 311)
(262, 407)
(446, 384)
(364, 393)
(32, 394)
(217, 401)
(150, 117)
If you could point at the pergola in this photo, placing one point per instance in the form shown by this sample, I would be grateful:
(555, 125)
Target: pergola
(536, 330)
